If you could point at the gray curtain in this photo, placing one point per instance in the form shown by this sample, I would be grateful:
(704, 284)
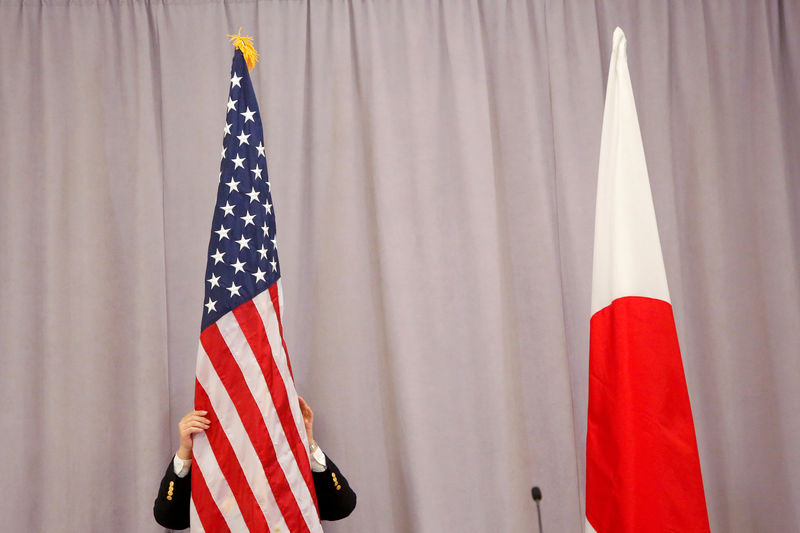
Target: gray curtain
(433, 168)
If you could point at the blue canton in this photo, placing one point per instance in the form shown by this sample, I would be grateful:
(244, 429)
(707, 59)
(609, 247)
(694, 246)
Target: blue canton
(242, 253)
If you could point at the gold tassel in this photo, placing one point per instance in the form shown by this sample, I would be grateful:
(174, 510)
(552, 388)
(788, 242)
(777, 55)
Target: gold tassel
(245, 44)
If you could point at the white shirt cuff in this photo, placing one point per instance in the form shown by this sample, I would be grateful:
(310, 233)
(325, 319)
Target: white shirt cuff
(181, 466)
(318, 463)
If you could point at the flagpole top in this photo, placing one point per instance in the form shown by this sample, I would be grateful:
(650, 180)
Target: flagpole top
(619, 47)
(618, 34)
(245, 44)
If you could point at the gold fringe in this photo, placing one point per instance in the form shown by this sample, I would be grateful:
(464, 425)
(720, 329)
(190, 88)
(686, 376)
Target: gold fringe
(245, 44)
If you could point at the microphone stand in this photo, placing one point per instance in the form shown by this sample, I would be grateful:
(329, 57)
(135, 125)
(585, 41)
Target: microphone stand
(536, 494)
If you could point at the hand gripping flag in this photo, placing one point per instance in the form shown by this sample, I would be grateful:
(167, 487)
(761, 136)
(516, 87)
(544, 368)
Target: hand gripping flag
(642, 465)
(251, 469)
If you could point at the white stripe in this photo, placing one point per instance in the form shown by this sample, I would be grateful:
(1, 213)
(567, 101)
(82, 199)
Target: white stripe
(220, 490)
(588, 528)
(194, 519)
(254, 377)
(627, 252)
(246, 454)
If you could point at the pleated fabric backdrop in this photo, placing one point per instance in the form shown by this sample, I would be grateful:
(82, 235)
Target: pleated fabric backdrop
(433, 168)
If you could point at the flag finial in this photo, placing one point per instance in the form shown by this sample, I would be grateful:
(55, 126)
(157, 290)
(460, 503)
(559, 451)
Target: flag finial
(245, 44)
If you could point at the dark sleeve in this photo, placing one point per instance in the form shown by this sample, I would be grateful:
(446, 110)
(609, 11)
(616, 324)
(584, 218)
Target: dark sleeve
(171, 508)
(335, 497)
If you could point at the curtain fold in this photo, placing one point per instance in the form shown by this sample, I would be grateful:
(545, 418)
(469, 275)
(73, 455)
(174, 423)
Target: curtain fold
(433, 169)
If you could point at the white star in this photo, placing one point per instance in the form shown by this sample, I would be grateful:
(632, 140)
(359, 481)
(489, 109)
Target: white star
(214, 280)
(223, 156)
(223, 232)
(274, 265)
(265, 229)
(268, 206)
(227, 208)
(227, 129)
(256, 172)
(217, 256)
(232, 104)
(262, 251)
(243, 139)
(275, 242)
(211, 305)
(238, 266)
(253, 195)
(232, 185)
(234, 288)
(260, 149)
(235, 80)
(259, 275)
(248, 115)
(269, 186)
(237, 161)
(248, 219)
(243, 243)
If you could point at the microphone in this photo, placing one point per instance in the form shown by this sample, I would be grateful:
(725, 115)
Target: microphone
(536, 494)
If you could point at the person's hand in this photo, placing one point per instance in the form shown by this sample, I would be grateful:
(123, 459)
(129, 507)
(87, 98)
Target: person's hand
(192, 423)
(308, 419)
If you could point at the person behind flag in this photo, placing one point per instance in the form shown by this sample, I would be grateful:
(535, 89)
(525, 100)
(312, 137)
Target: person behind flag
(335, 497)
(251, 469)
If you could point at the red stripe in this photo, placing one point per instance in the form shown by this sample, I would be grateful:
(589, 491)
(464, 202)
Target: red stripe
(273, 293)
(204, 504)
(642, 465)
(252, 326)
(235, 385)
(229, 465)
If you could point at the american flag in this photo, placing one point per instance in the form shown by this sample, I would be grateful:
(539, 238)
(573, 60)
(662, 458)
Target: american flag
(251, 469)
